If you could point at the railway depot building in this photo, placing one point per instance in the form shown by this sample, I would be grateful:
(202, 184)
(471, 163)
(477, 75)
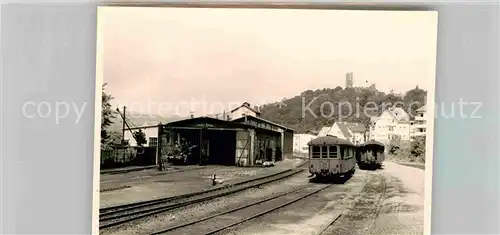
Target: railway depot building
(243, 141)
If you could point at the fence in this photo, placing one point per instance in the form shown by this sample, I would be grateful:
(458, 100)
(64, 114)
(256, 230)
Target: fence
(124, 157)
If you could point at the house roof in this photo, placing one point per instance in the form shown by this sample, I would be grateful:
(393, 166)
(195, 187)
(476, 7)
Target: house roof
(313, 132)
(202, 120)
(262, 120)
(399, 114)
(246, 105)
(212, 122)
(356, 127)
(422, 109)
(324, 130)
(344, 129)
(329, 140)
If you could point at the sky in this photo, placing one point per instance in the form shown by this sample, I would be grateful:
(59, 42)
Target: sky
(174, 61)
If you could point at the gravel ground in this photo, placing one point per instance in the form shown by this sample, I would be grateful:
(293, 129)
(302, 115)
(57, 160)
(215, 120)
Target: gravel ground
(126, 169)
(390, 203)
(218, 205)
(308, 216)
(396, 210)
(420, 166)
(115, 179)
(367, 207)
(147, 185)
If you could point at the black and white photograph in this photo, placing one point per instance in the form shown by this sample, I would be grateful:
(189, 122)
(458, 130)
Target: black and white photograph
(266, 121)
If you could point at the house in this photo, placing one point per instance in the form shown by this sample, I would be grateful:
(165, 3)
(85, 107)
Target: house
(244, 110)
(419, 127)
(354, 132)
(393, 123)
(151, 133)
(358, 132)
(300, 142)
(286, 134)
(242, 141)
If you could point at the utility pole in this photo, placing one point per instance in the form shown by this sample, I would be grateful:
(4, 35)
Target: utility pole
(201, 146)
(123, 131)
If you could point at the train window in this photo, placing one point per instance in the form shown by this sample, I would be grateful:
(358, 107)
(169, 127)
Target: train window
(333, 151)
(324, 151)
(316, 152)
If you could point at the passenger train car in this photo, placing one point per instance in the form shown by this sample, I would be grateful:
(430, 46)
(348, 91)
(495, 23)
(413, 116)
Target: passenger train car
(370, 154)
(330, 156)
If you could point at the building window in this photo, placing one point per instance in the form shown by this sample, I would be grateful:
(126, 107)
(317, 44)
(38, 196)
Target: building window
(422, 115)
(153, 141)
(391, 128)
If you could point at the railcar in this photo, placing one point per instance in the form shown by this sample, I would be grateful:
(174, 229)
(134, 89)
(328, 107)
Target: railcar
(370, 154)
(330, 157)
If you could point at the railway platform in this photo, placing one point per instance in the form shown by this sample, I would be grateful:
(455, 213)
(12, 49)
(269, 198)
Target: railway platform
(151, 184)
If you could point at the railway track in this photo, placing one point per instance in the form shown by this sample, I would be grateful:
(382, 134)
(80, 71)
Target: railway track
(117, 215)
(217, 223)
(379, 202)
(325, 229)
(328, 228)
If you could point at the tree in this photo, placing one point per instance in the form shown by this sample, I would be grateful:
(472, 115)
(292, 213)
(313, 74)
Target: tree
(414, 99)
(418, 147)
(312, 109)
(107, 116)
(140, 138)
(394, 145)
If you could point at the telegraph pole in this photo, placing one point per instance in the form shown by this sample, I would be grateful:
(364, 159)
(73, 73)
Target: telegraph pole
(123, 131)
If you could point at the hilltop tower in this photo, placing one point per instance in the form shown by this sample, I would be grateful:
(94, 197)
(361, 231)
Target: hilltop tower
(349, 80)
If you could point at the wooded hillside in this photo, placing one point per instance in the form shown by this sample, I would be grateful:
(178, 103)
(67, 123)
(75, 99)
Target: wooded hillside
(292, 110)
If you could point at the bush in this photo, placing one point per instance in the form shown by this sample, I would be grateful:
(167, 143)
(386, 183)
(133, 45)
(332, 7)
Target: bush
(178, 154)
(418, 148)
(413, 151)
